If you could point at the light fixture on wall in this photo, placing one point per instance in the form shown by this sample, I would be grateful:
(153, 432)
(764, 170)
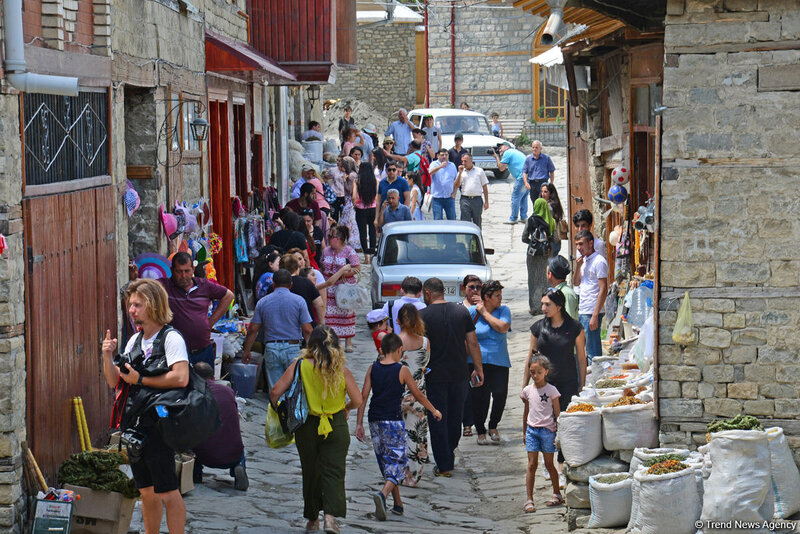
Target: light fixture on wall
(199, 127)
(169, 132)
(312, 92)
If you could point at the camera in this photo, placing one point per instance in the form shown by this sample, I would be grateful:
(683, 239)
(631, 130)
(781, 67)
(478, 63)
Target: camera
(120, 360)
(134, 441)
(491, 151)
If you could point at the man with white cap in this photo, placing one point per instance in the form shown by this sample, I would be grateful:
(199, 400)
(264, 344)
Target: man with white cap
(370, 139)
(401, 131)
(306, 173)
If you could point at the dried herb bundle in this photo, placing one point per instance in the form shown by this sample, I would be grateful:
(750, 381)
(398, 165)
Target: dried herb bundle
(97, 470)
(740, 422)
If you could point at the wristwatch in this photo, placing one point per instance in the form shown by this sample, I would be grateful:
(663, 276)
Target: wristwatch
(139, 382)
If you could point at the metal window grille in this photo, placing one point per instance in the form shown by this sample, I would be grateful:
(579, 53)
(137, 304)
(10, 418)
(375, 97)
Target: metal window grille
(66, 138)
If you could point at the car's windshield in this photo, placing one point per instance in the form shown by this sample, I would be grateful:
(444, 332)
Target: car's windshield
(405, 249)
(470, 124)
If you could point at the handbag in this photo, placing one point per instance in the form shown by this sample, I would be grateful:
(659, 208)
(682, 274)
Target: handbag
(192, 418)
(351, 296)
(295, 402)
(427, 203)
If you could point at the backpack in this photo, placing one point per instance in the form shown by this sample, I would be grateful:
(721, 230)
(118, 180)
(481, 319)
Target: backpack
(328, 193)
(424, 172)
(537, 237)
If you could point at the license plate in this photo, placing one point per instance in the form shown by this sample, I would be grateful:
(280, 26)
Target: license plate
(450, 290)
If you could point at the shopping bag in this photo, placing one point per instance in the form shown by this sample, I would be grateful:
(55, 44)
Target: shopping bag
(276, 437)
(683, 333)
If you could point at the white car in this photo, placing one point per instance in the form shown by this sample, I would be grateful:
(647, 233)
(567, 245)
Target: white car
(448, 250)
(478, 138)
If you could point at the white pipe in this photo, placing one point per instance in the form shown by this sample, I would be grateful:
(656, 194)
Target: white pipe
(15, 67)
(554, 28)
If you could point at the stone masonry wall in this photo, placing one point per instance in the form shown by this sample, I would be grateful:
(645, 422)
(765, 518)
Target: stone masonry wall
(385, 78)
(492, 70)
(12, 319)
(728, 212)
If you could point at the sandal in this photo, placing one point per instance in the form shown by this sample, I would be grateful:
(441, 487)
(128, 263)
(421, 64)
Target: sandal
(437, 473)
(494, 435)
(467, 432)
(556, 500)
(529, 507)
(482, 439)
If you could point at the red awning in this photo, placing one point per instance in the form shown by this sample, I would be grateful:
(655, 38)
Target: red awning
(234, 58)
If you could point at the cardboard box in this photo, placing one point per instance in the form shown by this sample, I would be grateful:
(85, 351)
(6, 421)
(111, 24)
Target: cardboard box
(184, 468)
(100, 512)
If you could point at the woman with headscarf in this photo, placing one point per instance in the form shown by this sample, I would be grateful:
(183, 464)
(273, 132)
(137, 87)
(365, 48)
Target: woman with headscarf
(348, 216)
(550, 194)
(538, 234)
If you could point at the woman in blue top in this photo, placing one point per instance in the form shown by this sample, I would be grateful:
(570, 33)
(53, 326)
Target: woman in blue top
(492, 323)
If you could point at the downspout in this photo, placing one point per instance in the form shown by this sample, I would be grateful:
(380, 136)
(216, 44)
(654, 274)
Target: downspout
(389, 18)
(427, 65)
(452, 55)
(15, 67)
(555, 28)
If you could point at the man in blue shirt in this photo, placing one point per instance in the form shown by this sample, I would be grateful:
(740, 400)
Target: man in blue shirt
(443, 177)
(286, 322)
(538, 169)
(392, 182)
(392, 210)
(513, 160)
(401, 131)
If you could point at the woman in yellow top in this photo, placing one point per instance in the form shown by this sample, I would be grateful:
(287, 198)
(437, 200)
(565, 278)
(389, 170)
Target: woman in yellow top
(322, 441)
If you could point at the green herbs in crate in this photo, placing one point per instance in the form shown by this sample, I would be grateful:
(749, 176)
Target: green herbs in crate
(97, 470)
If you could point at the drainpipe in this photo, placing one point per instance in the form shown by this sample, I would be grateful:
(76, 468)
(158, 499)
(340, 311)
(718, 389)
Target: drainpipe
(427, 66)
(555, 27)
(15, 67)
(452, 55)
(389, 18)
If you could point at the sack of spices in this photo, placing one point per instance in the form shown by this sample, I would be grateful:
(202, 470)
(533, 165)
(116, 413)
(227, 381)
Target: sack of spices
(785, 476)
(683, 333)
(629, 427)
(642, 454)
(740, 485)
(580, 436)
(666, 503)
(610, 497)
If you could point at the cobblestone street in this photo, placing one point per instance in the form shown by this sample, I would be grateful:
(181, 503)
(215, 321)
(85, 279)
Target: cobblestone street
(487, 491)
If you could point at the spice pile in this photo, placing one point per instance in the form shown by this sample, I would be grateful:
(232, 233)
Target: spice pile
(619, 377)
(666, 467)
(612, 479)
(625, 401)
(664, 458)
(580, 407)
(97, 470)
(740, 422)
(609, 383)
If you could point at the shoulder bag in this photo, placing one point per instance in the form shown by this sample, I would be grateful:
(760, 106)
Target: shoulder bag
(294, 403)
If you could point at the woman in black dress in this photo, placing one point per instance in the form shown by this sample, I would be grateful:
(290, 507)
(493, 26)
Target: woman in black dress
(559, 337)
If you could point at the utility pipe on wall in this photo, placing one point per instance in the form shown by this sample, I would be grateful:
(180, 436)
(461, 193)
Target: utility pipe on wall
(15, 66)
(555, 28)
(427, 66)
(452, 55)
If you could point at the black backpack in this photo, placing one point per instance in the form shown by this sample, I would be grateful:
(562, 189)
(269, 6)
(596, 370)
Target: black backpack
(537, 236)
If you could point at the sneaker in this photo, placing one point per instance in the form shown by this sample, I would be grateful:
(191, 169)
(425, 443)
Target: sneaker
(397, 510)
(240, 481)
(510, 221)
(380, 506)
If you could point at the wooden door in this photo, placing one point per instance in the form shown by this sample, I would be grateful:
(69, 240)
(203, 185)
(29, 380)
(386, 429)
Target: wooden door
(578, 179)
(70, 290)
(240, 152)
(221, 212)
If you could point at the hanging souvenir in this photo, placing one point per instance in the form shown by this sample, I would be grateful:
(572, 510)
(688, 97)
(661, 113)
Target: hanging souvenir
(620, 175)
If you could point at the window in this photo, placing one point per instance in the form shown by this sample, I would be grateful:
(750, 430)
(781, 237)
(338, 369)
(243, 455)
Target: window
(439, 248)
(65, 137)
(549, 99)
(189, 113)
(469, 124)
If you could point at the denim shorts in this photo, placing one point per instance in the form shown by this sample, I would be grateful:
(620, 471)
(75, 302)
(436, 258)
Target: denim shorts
(540, 439)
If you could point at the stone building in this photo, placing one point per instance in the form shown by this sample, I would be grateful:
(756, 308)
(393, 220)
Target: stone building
(479, 54)
(391, 59)
(708, 102)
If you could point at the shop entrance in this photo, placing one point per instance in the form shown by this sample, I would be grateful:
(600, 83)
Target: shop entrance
(580, 189)
(71, 300)
(220, 168)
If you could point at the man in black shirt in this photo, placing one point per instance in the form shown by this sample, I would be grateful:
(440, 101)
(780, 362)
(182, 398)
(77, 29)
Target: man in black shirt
(450, 330)
(455, 153)
(305, 288)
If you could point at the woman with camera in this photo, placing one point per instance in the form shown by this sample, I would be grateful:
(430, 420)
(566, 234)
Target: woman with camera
(160, 350)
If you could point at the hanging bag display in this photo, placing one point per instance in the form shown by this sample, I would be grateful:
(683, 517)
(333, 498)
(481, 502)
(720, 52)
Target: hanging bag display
(683, 333)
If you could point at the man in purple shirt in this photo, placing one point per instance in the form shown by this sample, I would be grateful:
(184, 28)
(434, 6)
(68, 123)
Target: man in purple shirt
(224, 449)
(189, 299)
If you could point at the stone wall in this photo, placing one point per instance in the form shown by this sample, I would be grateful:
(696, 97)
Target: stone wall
(492, 70)
(728, 208)
(385, 78)
(12, 319)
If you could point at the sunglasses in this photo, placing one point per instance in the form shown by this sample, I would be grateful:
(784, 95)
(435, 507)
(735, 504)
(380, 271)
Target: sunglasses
(391, 170)
(474, 288)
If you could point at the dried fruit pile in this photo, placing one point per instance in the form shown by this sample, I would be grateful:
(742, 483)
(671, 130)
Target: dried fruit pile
(664, 458)
(609, 383)
(612, 479)
(666, 467)
(580, 407)
(619, 377)
(625, 401)
(740, 422)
